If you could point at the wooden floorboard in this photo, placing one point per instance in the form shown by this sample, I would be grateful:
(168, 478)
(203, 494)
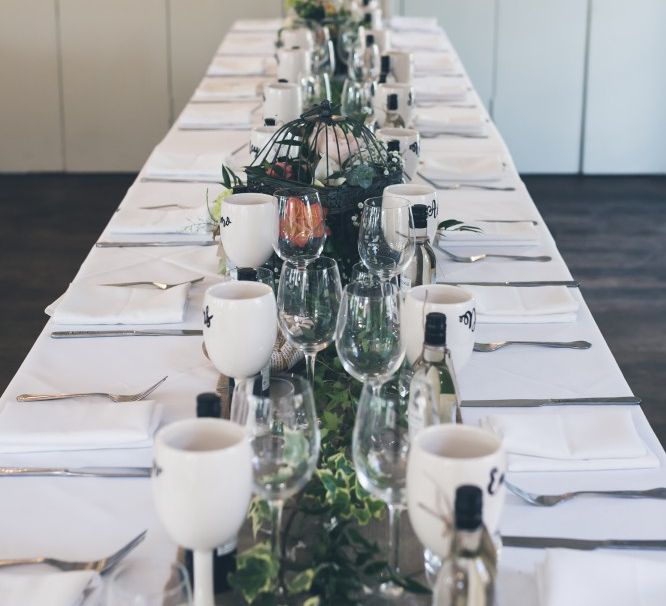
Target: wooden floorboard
(610, 230)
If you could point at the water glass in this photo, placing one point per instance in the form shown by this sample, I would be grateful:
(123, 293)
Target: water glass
(385, 242)
(356, 100)
(367, 335)
(301, 229)
(316, 89)
(380, 446)
(308, 302)
(149, 583)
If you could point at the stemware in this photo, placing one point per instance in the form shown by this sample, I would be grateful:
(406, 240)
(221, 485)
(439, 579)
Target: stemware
(308, 302)
(356, 100)
(301, 231)
(202, 485)
(380, 446)
(317, 88)
(385, 243)
(284, 435)
(148, 583)
(367, 335)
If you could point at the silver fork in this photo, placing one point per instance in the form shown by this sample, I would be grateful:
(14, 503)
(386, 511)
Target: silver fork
(548, 500)
(33, 397)
(102, 566)
(562, 344)
(481, 257)
(160, 285)
(454, 186)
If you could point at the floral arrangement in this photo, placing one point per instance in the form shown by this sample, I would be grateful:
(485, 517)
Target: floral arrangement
(317, 10)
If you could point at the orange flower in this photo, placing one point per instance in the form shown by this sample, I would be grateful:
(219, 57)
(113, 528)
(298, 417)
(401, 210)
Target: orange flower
(302, 222)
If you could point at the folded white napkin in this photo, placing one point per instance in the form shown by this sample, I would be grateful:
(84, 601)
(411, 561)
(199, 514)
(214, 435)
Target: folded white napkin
(450, 119)
(257, 25)
(515, 305)
(217, 116)
(248, 43)
(89, 424)
(580, 578)
(42, 588)
(440, 88)
(93, 304)
(410, 41)
(493, 234)
(160, 221)
(414, 24)
(191, 165)
(461, 166)
(228, 89)
(434, 63)
(239, 66)
(571, 441)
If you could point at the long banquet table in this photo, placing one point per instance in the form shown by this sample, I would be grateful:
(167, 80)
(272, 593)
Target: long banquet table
(82, 518)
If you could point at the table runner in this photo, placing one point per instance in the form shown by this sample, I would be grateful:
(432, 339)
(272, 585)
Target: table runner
(86, 518)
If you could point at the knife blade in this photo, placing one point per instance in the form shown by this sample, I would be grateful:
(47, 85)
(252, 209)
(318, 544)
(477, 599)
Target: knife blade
(162, 332)
(585, 544)
(96, 472)
(529, 403)
(567, 283)
(108, 244)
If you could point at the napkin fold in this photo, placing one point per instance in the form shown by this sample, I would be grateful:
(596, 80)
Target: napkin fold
(217, 116)
(414, 24)
(40, 588)
(461, 166)
(228, 89)
(408, 41)
(257, 25)
(434, 64)
(450, 119)
(515, 305)
(578, 440)
(493, 234)
(93, 304)
(160, 221)
(580, 578)
(248, 43)
(186, 164)
(89, 424)
(229, 65)
(440, 88)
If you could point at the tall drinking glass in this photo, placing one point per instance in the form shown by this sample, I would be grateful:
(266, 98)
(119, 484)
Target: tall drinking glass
(149, 583)
(308, 303)
(367, 335)
(385, 242)
(380, 446)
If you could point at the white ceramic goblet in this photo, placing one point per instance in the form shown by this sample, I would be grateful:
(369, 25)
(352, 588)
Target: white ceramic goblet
(202, 485)
(417, 194)
(283, 101)
(294, 64)
(401, 65)
(296, 36)
(409, 146)
(247, 228)
(405, 92)
(455, 303)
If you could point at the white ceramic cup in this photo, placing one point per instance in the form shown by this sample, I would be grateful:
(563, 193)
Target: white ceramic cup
(409, 146)
(418, 194)
(442, 458)
(455, 303)
(401, 65)
(296, 36)
(382, 38)
(294, 64)
(247, 227)
(202, 485)
(405, 94)
(259, 137)
(240, 327)
(283, 101)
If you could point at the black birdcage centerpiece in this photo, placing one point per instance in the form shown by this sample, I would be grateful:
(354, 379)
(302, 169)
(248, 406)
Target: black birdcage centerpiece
(338, 156)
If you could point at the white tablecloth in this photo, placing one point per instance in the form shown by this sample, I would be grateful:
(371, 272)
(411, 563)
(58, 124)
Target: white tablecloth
(87, 518)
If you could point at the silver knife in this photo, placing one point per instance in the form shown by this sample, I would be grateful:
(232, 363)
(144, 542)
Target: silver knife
(528, 403)
(108, 244)
(162, 332)
(96, 472)
(567, 283)
(585, 544)
(214, 180)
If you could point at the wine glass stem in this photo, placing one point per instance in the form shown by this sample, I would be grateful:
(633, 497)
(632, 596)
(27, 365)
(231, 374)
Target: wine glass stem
(203, 578)
(310, 367)
(375, 388)
(394, 539)
(238, 402)
(276, 528)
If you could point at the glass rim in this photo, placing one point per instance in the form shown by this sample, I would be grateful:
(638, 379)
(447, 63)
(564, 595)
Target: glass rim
(377, 201)
(327, 262)
(295, 191)
(183, 584)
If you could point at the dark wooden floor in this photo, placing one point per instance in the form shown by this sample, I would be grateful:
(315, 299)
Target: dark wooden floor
(611, 231)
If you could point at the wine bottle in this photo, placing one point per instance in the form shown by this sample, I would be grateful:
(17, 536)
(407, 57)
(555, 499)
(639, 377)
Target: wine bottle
(422, 268)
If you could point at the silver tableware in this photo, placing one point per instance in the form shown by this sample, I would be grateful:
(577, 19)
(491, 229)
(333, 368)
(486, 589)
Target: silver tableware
(108, 244)
(80, 472)
(114, 397)
(482, 256)
(448, 133)
(160, 206)
(448, 185)
(548, 500)
(532, 221)
(101, 566)
(215, 180)
(486, 347)
(567, 283)
(161, 332)
(160, 285)
(584, 544)
(531, 403)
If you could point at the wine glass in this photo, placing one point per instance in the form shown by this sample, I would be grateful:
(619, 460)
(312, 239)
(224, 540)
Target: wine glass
(380, 445)
(385, 242)
(256, 274)
(356, 100)
(308, 302)
(149, 583)
(367, 335)
(202, 485)
(239, 329)
(284, 435)
(301, 229)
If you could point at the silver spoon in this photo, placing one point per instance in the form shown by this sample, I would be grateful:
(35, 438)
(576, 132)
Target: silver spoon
(494, 346)
(481, 257)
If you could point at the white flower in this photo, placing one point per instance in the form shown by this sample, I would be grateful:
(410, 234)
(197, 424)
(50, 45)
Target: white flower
(341, 145)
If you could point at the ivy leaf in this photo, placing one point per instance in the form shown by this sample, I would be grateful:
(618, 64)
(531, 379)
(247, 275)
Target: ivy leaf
(301, 582)
(361, 175)
(259, 514)
(331, 421)
(256, 572)
(449, 223)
